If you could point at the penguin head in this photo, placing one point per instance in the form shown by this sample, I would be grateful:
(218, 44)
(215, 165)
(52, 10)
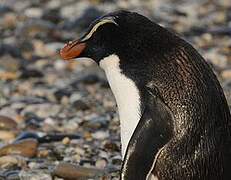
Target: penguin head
(117, 33)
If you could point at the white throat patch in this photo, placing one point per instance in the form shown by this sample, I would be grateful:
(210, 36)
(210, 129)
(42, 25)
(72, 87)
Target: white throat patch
(127, 98)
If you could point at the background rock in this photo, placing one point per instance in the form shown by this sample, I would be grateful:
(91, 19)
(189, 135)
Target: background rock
(27, 148)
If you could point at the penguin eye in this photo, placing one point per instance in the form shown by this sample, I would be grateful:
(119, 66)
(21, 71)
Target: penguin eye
(103, 21)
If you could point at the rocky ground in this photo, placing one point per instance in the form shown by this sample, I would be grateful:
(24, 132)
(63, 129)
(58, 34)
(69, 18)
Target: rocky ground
(55, 114)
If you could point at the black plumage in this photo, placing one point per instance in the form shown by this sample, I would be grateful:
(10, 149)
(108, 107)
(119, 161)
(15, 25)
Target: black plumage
(184, 110)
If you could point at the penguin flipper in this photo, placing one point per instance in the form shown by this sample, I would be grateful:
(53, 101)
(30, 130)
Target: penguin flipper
(153, 131)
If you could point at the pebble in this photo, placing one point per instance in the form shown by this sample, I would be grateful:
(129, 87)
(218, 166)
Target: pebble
(87, 163)
(33, 12)
(27, 148)
(216, 59)
(52, 15)
(80, 105)
(79, 151)
(43, 110)
(33, 122)
(59, 94)
(116, 160)
(7, 62)
(34, 175)
(66, 141)
(53, 137)
(87, 136)
(31, 73)
(100, 135)
(43, 153)
(75, 97)
(7, 123)
(12, 160)
(7, 135)
(226, 74)
(33, 165)
(89, 14)
(71, 126)
(35, 27)
(11, 175)
(95, 122)
(69, 171)
(90, 79)
(104, 154)
(60, 64)
(4, 9)
(111, 146)
(8, 111)
(69, 11)
(8, 76)
(27, 135)
(9, 20)
(53, 47)
(101, 163)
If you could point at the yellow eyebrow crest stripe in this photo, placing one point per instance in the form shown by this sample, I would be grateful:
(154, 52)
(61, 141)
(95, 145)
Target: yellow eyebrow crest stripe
(100, 23)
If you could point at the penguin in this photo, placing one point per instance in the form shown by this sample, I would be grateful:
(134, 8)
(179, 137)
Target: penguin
(174, 118)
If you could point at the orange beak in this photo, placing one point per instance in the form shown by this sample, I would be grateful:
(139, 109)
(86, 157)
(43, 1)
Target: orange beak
(72, 50)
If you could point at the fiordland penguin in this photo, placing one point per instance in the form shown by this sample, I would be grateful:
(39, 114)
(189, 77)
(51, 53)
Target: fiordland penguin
(175, 120)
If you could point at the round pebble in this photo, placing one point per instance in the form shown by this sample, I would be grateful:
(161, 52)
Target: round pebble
(7, 123)
(27, 148)
(100, 135)
(34, 175)
(7, 135)
(226, 74)
(101, 163)
(10, 160)
(33, 12)
(69, 171)
(66, 140)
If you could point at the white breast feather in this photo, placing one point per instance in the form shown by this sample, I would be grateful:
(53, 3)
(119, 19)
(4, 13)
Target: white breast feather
(127, 98)
(152, 177)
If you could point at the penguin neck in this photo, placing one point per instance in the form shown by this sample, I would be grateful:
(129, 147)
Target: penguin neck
(127, 98)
